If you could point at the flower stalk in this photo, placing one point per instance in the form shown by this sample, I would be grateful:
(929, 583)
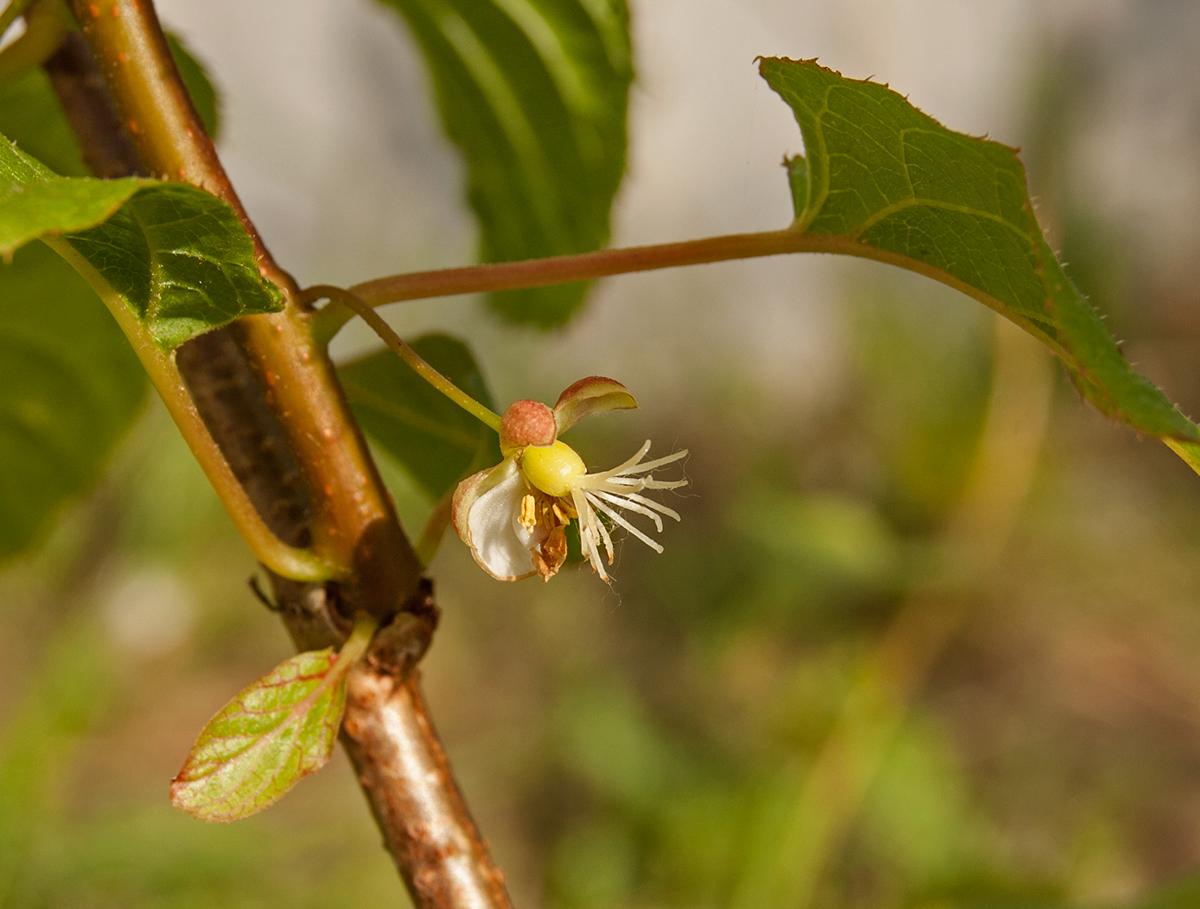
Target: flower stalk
(341, 297)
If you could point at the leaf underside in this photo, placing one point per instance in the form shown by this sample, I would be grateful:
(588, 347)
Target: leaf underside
(882, 174)
(534, 93)
(274, 733)
(435, 440)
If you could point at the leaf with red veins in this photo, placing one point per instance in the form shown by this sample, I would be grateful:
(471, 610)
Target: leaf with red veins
(595, 394)
(274, 733)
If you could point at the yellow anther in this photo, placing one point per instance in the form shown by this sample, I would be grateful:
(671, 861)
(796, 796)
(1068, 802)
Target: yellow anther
(528, 516)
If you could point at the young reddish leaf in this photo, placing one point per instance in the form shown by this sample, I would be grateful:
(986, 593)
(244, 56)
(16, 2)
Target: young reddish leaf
(273, 734)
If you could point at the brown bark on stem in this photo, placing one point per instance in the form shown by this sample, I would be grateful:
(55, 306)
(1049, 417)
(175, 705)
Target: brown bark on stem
(268, 397)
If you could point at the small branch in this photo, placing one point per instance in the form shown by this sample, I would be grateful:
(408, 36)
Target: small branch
(353, 525)
(395, 750)
(448, 282)
(264, 542)
(406, 353)
(46, 24)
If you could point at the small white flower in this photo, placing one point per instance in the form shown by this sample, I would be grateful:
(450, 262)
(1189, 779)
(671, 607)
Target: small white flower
(514, 516)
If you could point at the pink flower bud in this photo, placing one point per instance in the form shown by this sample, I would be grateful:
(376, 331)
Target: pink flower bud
(527, 423)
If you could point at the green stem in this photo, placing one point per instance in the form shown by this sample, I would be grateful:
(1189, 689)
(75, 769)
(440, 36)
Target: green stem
(297, 564)
(365, 626)
(353, 302)
(46, 23)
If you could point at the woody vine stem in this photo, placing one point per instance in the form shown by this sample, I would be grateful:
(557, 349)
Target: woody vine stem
(260, 387)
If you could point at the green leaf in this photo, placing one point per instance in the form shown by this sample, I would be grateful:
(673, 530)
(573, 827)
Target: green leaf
(34, 201)
(438, 442)
(177, 257)
(273, 734)
(72, 388)
(534, 93)
(180, 260)
(31, 117)
(902, 188)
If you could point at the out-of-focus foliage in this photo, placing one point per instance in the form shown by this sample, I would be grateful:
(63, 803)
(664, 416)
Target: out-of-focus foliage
(200, 87)
(72, 388)
(435, 440)
(534, 93)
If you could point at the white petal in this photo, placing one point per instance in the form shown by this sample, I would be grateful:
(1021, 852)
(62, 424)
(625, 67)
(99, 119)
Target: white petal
(492, 529)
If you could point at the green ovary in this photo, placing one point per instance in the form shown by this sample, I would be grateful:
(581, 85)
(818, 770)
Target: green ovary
(553, 469)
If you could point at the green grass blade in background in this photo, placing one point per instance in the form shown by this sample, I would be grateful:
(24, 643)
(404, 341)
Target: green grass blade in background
(894, 181)
(1184, 894)
(435, 440)
(72, 388)
(535, 94)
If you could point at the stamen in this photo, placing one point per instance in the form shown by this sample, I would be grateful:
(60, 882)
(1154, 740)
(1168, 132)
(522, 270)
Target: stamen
(627, 502)
(609, 549)
(587, 532)
(650, 503)
(616, 518)
(658, 462)
(528, 518)
(665, 484)
(621, 468)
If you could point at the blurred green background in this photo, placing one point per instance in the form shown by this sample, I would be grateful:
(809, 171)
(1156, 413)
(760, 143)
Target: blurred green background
(927, 635)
